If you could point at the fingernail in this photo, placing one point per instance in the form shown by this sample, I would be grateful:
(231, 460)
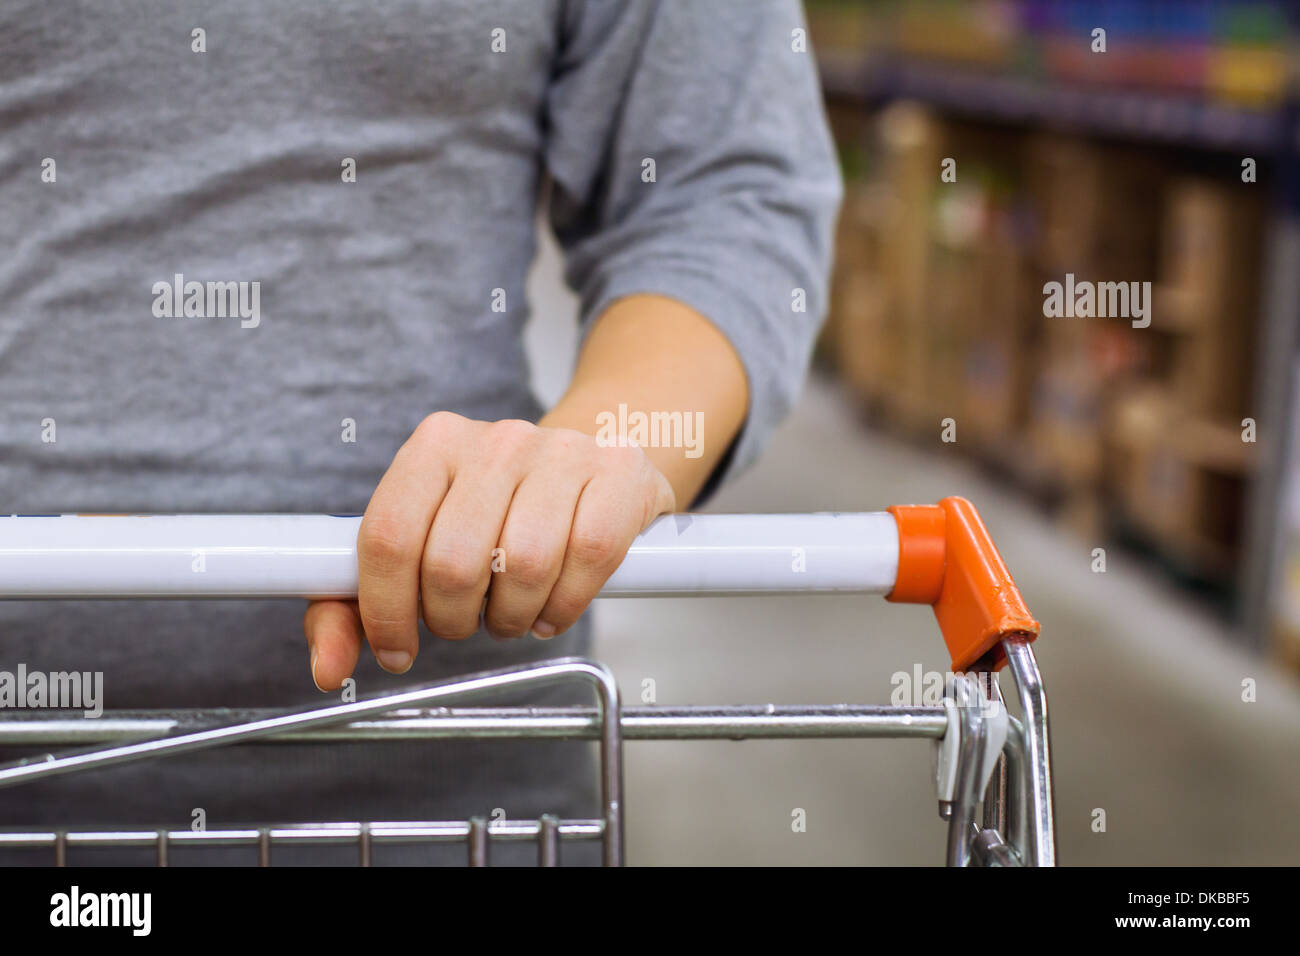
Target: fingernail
(543, 630)
(315, 654)
(395, 662)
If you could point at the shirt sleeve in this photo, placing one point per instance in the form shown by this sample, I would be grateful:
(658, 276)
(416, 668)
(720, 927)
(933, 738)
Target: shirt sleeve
(735, 216)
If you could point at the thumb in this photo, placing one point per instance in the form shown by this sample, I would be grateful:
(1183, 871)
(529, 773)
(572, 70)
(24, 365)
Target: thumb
(334, 636)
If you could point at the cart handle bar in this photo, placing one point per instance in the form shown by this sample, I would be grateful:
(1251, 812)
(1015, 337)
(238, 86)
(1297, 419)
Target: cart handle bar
(926, 554)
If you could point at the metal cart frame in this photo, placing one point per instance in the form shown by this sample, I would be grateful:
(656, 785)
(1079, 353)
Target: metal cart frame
(939, 555)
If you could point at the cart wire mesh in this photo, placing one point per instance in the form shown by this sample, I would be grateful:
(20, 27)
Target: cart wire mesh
(1016, 830)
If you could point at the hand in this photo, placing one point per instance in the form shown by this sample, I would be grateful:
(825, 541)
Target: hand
(562, 509)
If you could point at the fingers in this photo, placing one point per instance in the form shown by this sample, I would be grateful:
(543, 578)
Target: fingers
(533, 543)
(562, 511)
(457, 562)
(392, 538)
(607, 520)
(333, 630)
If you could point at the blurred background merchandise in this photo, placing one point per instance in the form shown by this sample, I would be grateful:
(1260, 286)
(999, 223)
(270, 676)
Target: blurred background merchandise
(1123, 165)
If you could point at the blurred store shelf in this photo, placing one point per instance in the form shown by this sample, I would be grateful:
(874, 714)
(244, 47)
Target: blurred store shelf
(1121, 165)
(1175, 119)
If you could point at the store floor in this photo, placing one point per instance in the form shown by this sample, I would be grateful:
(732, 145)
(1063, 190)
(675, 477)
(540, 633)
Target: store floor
(1145, 687)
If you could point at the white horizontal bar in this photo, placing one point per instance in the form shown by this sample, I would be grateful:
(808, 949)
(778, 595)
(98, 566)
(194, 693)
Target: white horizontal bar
(741, 554)
(314, 556)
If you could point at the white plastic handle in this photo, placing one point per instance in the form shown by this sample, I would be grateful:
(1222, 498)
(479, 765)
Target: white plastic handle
(314, 556)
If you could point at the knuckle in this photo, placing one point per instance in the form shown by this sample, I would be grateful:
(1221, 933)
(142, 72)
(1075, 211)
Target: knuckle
(438, 424)
(528, 565)
(508, 435)
(449, 629)
(381, 542)
(594, 549)
(628, 459)
(571, 441)
(563, 609)
(505, 625)
(386, 629)
(449, 571)
(514, 428)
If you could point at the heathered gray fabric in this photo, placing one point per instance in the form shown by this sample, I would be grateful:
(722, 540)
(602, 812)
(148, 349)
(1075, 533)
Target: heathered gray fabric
(376, 304)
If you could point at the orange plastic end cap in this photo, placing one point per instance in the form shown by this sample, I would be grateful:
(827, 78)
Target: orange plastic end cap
(921, 549)
(947, 559)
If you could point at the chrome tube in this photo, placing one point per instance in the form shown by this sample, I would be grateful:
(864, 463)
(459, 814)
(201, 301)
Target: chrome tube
(741, 722)
(961, 819)
(1033, 706)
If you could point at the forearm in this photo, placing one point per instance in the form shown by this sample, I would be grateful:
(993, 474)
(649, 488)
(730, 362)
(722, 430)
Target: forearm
(665, 362)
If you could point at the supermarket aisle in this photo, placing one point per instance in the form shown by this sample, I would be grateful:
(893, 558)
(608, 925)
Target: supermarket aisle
(1145, 693)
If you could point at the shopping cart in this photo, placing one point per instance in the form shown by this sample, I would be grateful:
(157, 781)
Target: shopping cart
(993, 772)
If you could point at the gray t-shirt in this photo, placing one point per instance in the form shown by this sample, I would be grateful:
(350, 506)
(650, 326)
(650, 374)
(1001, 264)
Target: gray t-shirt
(216, 140)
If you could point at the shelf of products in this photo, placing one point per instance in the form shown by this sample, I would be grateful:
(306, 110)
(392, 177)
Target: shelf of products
(1121, 165)
(1160, 117)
